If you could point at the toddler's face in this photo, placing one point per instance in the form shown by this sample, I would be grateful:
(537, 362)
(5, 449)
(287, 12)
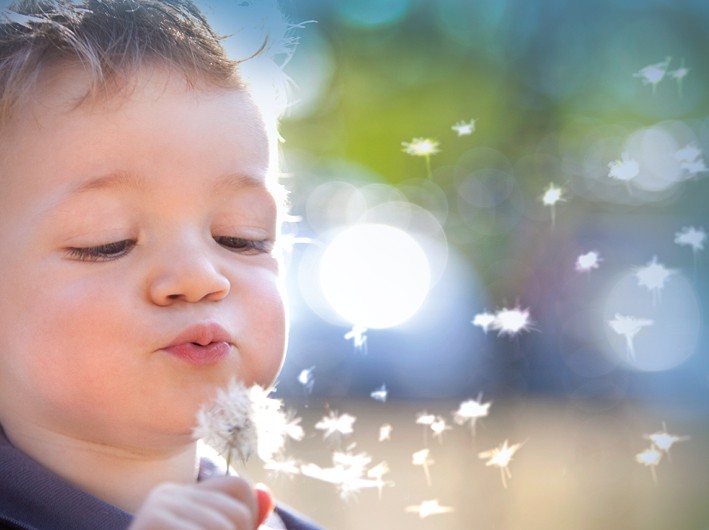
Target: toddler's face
(136, 266)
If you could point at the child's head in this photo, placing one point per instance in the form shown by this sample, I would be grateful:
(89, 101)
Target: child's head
(137, 222)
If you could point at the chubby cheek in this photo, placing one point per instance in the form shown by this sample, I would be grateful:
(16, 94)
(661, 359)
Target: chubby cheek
(263, 339)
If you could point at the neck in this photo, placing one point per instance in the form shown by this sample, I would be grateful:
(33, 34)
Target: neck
(126, 476)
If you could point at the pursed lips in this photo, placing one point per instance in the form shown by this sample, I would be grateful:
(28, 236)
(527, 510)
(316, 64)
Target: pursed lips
(201, 344)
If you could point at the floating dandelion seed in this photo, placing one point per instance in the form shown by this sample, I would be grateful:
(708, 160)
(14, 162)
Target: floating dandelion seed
(653, 276)
(690, 159)
(501, 457)
(425, 419)
(551, 196)
(439, 426)
(358, 336)
(628, 327)
(425, 147)
(484, 320)
(306, 378)
(624, 170)
(587, 262)
(241, 421)
(283, 466)
(664, 440)
(464, 128)
(511, 321)
(428, 508)
(334, 424)
(471, 411)
(423, 458)
(347, 473)
(679, 75)
(380, 394)
(653, 73)
(650, 457)
(693, 237)
(377, 474)
(385, 432)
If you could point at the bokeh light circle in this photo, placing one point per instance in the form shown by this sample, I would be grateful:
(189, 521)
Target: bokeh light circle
(374, 275)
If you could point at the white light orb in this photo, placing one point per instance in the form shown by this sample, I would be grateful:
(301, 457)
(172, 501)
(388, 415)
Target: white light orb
(374, 275)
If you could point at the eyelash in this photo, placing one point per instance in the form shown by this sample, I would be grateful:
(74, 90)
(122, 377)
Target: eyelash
(118, 249)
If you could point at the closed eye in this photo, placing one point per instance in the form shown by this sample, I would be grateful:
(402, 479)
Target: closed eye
(106, 252)
(249, 247)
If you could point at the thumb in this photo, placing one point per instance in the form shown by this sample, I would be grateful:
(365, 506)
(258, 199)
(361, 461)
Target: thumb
(265, 502)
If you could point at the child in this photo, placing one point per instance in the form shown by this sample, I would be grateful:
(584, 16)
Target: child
(138, 221)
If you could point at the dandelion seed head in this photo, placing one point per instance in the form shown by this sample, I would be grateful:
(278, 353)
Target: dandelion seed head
(464, 128)
(429, 508)
(227, 423)
(500, 456)
(439, 426)
(424, 418)
(688, 153)
(306, 377)
(664, 440)
(358, 336)
(587, 262)
(421, 147)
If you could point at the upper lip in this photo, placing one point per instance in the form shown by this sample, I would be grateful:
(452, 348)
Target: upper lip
(202, 334)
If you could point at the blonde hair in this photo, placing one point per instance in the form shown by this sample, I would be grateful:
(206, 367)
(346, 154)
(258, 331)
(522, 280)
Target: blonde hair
(109, 39)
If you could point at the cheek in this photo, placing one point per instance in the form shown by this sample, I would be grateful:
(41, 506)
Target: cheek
(264, 333)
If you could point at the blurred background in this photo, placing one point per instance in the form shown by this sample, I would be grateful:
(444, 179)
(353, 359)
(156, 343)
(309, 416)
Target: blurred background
(498, 217)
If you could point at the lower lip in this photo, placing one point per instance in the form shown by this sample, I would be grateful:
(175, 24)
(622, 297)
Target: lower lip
(199, 355)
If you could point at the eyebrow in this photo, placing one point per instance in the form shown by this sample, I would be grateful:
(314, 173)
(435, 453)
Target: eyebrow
(124, 179)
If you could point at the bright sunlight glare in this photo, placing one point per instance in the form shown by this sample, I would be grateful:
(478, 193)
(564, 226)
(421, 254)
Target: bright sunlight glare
(374, 275)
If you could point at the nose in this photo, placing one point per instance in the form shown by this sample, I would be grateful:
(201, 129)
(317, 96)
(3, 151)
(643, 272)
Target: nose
(187, 275)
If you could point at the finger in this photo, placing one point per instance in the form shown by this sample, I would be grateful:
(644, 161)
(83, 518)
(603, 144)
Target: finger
(234, 488)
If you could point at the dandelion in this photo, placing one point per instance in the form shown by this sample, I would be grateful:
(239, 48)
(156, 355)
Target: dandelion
(464, 128)
(471, 411)
(334, 424)
(425, 147)
(380, 394)
(423, 458)
(587, 262)
(385, 432)
(425, 419)
(653, 276)
(240, 422)
(624, 170)
(651, 458)
(501, 457)
(511, 321)
(428, 508)
(484, 320)
(688, 153)
(629, 326)
(551, 196)
(653, 73)
(358, 336)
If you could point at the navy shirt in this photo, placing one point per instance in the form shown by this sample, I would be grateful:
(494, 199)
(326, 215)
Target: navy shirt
(34, 498)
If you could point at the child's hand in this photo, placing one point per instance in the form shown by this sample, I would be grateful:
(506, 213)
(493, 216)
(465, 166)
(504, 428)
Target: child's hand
(225, 503)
